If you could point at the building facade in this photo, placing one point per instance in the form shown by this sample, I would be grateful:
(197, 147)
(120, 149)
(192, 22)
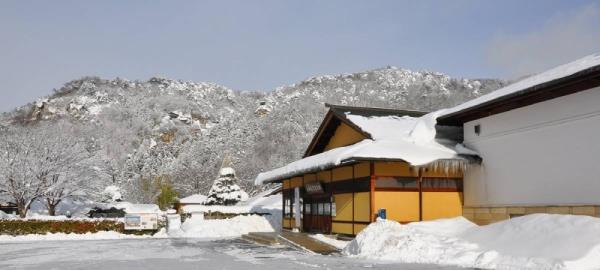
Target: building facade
(345, 198)
(530, 147)
(538, 144)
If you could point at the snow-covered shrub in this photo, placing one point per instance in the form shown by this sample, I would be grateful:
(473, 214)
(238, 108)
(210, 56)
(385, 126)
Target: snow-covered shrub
(112, 194)
(22, 227)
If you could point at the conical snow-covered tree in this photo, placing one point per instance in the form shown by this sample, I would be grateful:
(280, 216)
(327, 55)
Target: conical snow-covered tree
(225, 190)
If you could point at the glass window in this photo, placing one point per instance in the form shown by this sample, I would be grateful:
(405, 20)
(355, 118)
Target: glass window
(315, 209)
(396, 182)
(327, 209)
(320, 209)
(307, 208)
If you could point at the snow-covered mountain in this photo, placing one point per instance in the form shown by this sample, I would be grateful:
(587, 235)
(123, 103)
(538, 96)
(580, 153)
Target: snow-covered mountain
(183, 130)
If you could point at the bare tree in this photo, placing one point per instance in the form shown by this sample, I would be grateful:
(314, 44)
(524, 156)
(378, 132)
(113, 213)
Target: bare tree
(20, 174)
(73, 172)
(41, 161)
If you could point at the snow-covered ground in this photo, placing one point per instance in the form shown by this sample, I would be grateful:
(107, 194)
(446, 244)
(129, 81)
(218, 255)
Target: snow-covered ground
(69, 237)
(174, 254)
(539, 241)
(339, 244)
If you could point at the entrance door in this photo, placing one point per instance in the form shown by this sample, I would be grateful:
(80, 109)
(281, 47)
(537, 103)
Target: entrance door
(317, 214)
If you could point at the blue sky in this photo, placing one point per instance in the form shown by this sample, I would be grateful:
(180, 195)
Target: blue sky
(259, 45)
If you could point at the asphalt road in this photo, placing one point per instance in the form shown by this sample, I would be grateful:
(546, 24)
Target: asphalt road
(173, 254)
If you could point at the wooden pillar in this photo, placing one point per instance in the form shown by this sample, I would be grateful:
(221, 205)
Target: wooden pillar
(420, 185)
(372, 191)
(331, 185)
(353, 204)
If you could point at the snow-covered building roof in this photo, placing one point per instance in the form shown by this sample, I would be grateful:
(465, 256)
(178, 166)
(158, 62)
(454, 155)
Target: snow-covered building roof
(388, 136)
(530, 90)
(193, 199)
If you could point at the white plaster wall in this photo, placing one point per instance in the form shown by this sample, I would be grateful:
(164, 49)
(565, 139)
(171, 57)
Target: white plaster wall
(543, 154)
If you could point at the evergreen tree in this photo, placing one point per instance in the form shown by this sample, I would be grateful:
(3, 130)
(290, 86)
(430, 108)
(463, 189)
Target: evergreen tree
(225, 190)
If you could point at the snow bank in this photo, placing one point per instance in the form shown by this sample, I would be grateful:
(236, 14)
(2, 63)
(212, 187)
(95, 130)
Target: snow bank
(224, 228)
(414, 243)
(567, 239)
(68, 237)
(539, 241)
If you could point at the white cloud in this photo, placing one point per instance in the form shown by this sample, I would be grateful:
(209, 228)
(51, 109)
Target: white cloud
(562, 39)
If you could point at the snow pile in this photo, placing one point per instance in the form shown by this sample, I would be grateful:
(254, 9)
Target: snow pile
(198, 227)
(572, 242)
(539, 241)
(414, 243)
(68, 237)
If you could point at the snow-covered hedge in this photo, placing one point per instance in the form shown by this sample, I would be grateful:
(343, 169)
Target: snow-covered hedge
(22, 227)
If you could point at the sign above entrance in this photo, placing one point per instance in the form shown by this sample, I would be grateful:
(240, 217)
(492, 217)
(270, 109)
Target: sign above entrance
(314, 188)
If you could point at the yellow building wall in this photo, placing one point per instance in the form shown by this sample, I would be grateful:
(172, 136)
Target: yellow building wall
(286, 184)
(345, 228)
(296, 182)
(359, 227)
(442, 205)
(344, 135)
(343, 205)
(309, 178)
(399, 205)
(362, 206)
(394, 169)
(342, 173)
(286, 223)
(324, 176)
(362, 169)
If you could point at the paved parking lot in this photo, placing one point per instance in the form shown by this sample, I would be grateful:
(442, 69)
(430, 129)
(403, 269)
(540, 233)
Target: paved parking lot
(172, 254)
